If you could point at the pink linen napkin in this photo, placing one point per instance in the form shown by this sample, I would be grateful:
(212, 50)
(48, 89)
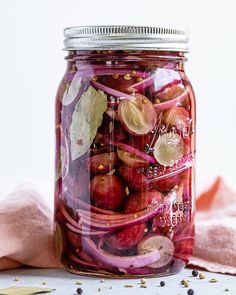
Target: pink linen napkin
(26, 231)
(215, 245)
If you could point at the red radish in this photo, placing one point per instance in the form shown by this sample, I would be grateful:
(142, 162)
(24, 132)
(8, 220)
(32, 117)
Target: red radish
(139, 201)
(127, 238)
(101, 163)
(118, 261)
(178, 117)
(138, 115)
(134, 179)
(163, 244)
(166, 184)
(107, 191)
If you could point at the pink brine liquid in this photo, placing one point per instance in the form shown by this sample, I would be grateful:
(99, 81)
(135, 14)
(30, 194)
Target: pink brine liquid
(125, 149)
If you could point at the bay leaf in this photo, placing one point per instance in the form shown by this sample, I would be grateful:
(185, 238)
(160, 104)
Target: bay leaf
(71, 91)
(25, 290)
(86, 119)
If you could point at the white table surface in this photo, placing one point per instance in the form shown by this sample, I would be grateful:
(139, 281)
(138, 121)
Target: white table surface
(65, 283)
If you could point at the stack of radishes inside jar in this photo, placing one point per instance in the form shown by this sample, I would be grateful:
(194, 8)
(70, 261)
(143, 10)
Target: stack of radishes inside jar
(125, 157)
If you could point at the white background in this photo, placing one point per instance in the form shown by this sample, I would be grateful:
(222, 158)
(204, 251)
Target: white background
(31, 66)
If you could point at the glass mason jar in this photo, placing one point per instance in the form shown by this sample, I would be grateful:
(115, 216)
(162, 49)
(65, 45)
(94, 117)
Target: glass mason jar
(125, 149)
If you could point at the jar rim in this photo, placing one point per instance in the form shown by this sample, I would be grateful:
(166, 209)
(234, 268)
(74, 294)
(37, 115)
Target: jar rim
(126, 38)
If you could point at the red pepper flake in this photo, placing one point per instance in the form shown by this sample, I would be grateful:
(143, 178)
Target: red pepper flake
(100, 167)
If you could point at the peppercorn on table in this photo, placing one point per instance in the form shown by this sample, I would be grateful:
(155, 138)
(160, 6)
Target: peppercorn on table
(64, 283)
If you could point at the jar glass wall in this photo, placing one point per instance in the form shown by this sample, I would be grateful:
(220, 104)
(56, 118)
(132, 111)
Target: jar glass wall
(125, 149)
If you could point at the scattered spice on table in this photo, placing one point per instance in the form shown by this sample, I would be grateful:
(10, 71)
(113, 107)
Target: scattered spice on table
(78, 283)
(16, 279)
(201, 276)
(128, 286)
(162, 283)
(190, 292)
(213, 281)
(143, 281)
(195, 273)
(79, 291)
(186, 284)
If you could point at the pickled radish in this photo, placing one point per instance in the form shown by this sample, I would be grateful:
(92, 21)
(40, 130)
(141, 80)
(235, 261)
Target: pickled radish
(168, 149)
(138, 201)
(107, 191)
(166, 184)
(137, 115)
(161, 243)
(178, 117)
(126, 238)
(134, 179)
(101, 163)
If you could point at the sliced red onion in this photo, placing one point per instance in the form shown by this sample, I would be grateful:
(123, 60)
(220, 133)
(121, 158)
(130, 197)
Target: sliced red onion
(161, 79)
(89, 207)
(140, 86)
(137, 271)
(85, 231)
(119, 261)
(111, 91)
(111, 226)
(173, 83)
(135, 151)
(84, 256)
(163, 106)
(82, 262)
(107, 218)
(103, 71)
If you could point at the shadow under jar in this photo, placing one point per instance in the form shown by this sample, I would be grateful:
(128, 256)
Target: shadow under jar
(125, 149)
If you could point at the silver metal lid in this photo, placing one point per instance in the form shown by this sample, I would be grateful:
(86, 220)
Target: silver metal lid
(126, 38)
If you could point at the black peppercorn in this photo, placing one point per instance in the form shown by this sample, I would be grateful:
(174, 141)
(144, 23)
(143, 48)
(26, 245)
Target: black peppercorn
(190, 292)
(79, 291)
(162, 283)
(195, 273)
